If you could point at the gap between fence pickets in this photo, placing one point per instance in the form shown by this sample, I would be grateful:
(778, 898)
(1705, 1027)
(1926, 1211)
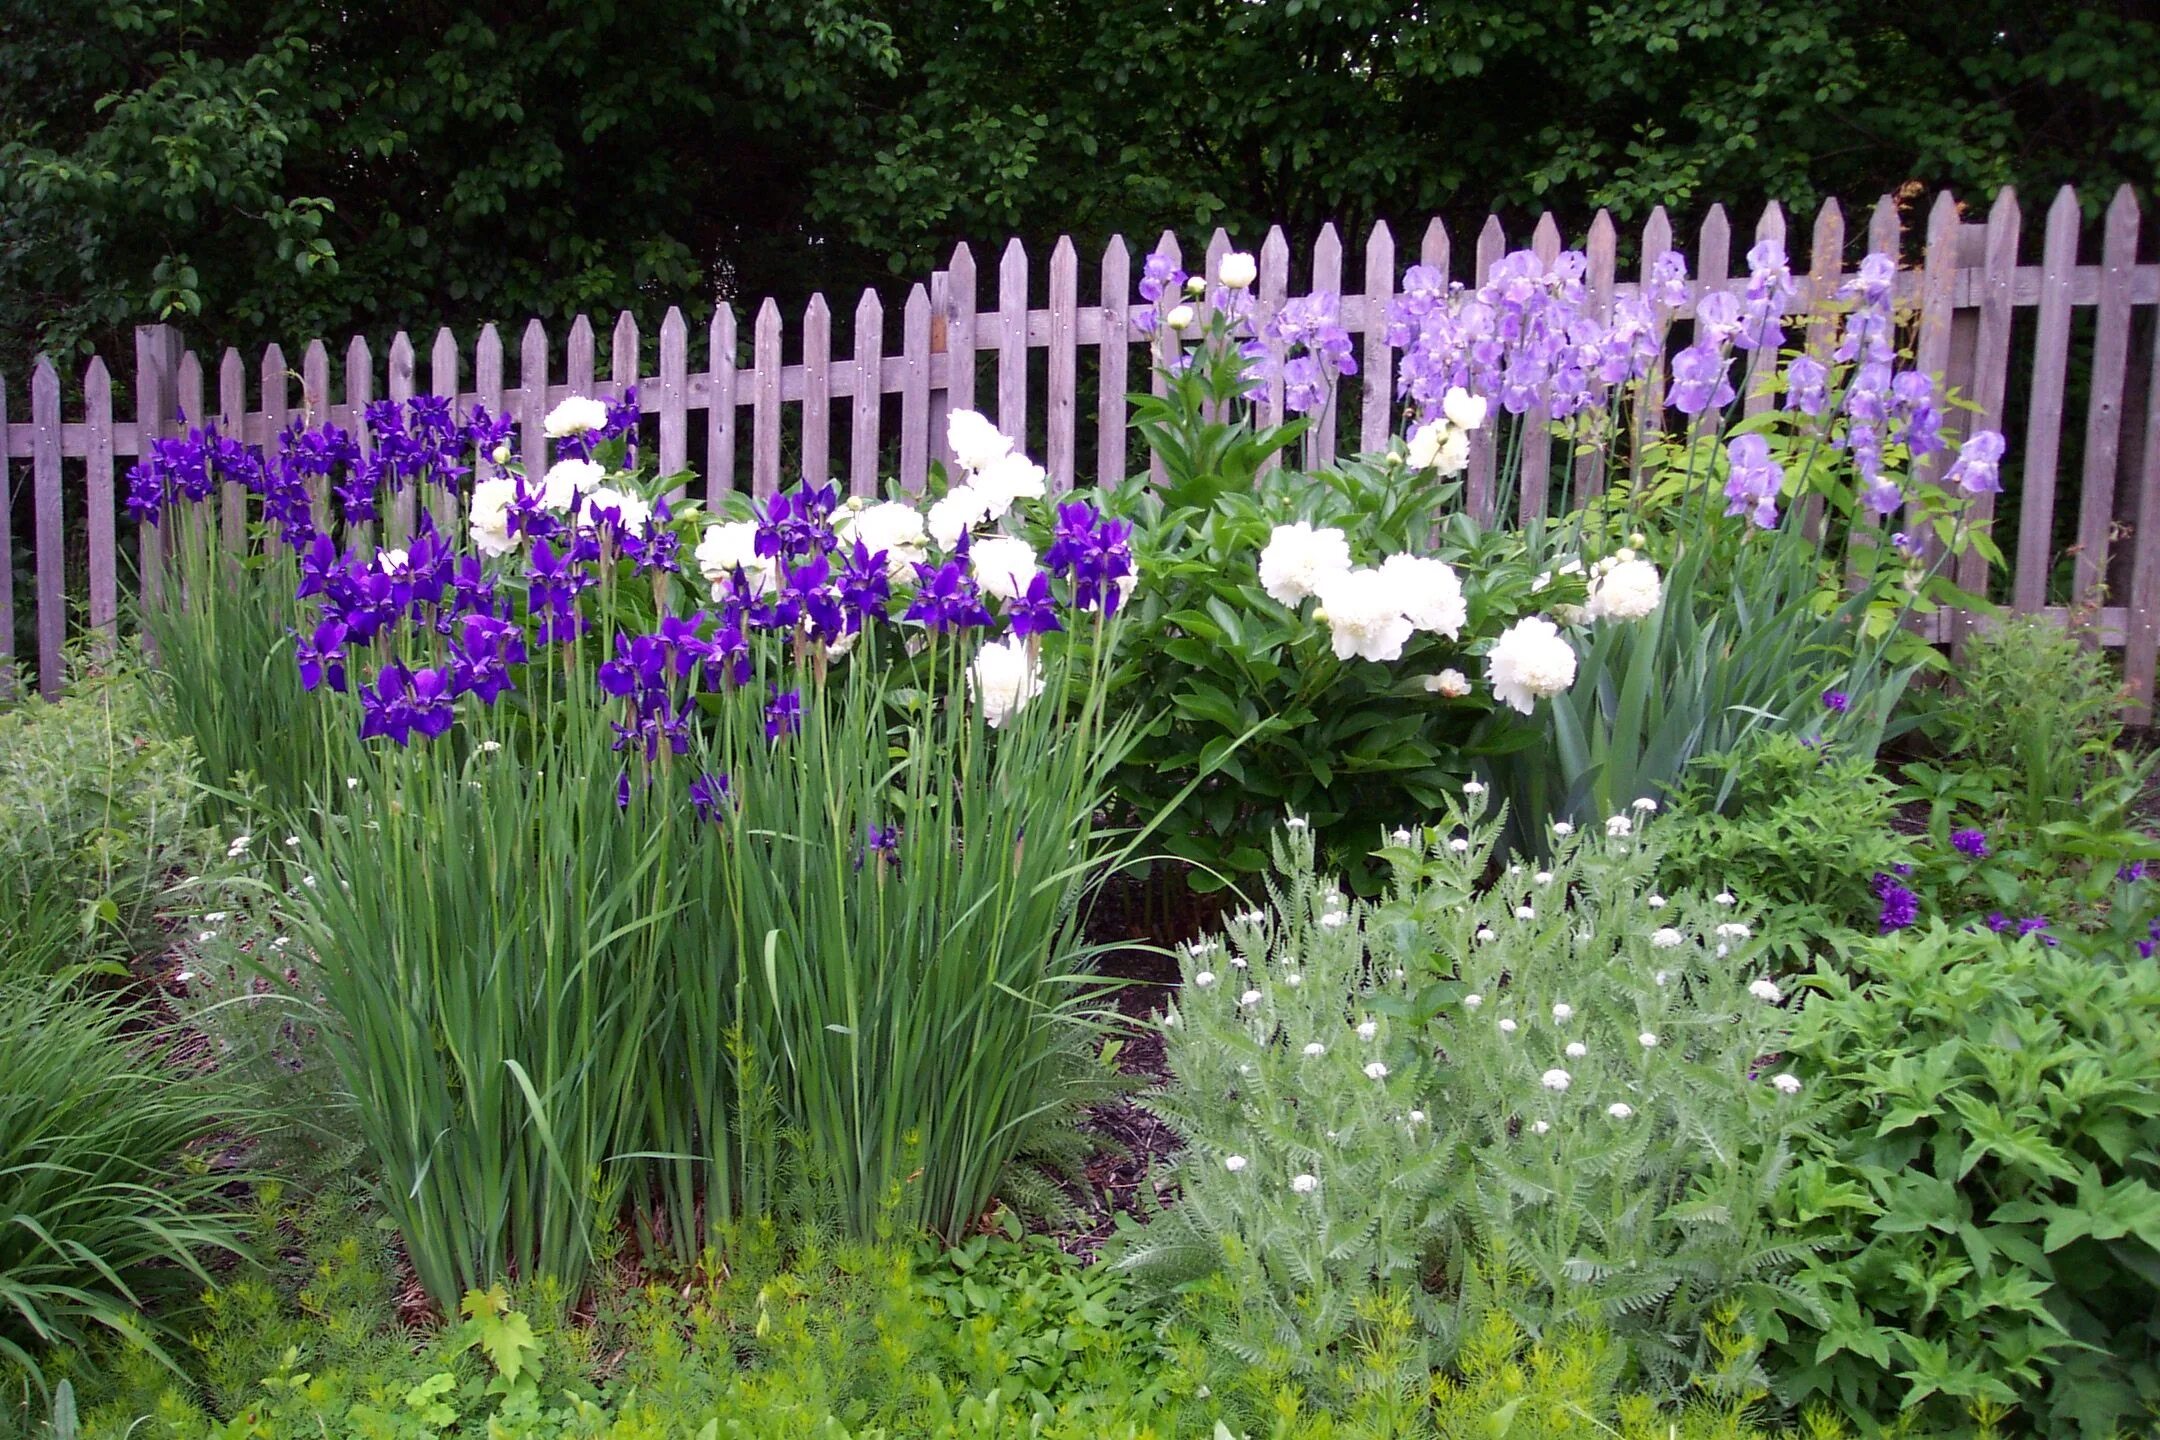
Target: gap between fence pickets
(1968, 297)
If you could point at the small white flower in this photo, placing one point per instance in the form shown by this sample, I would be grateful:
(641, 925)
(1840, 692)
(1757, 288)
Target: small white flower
(1472, 1001)
(1786, 1082)
(215, 917)
(1576, 1050)
(1234, 1163)
(238, 847)
(1376, 1071)
(1417, 1117)
(1250, 997)
(1486, 936)
(1238, 270)
(1304, 1184)
(206, 937)
(291, 840)
(1648, 1039)
(1200, 948)
(281, 942)
(1204, 979)
(1237, 962)
(1661, 977)
(1646, 805)
(1563, 1012)
(352, 782)
(1734, 931)
(1539, 1127)
(1524, 912)
(1472, 788)
(1543, 877)
(1293, 981)
(1556, 1080)
(184, 976)
(1618, 826)
(308, 880)
(1665, 937)
(1296, 822)
(1655, 902)
(1459, 845)
(1723, 897)
(1401, 837)
(1766, 990)
(1367, 1029)
(1315, 1049)
(1334, 919)
(1507, 1027)
(1451, 683)
(1619, 1111)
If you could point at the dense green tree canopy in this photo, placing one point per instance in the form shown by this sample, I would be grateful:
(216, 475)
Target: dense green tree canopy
(289, 167)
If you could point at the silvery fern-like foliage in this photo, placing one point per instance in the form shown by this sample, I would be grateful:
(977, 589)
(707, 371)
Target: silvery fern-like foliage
(1553, 1073)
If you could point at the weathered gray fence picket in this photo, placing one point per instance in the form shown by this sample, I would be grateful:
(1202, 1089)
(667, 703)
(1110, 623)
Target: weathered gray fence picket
(1968, 291)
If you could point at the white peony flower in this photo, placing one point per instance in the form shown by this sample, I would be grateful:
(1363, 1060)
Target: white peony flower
(1238, 270)
(1298, 558)
(958, 511)
(1428, 592)
(575, 416)
(1766, 990)
(1009, 478)
(1003, 677)
(1440, 447)
(1451, 683)
(1304, 1184)
(392, 561)
(1234, 1163)
(1364, 615)
(732, 546)
(892, 527)
(1003, 565)
(1376, 1071)
(1626, 591)
(1619, 1111)
(488, 516)
(975, 442)
(632, 512)
(1529, 662)
(1180, 317)
(566, 480)
(1463, 410)
(1665, 937)
(1786, 1082)
(1555, 1080)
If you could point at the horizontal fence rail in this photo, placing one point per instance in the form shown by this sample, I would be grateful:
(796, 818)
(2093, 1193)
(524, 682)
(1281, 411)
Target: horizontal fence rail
(2073, 320)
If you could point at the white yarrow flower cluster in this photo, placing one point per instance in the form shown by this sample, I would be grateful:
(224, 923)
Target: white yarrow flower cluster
(1530, 662)
(1557, 1080)
(1304, 1184)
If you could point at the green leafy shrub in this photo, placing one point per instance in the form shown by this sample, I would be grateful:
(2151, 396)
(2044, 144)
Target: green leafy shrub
(1804, 829)
(1987, 1173)
(110, 1215)
(1538, 1096)
(96, 824)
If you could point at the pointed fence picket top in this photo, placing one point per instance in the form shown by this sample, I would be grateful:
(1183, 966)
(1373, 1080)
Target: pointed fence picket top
(720, 412)
(673, 401)
(1061, 397)
(578, 356)
(1535, 474)
(49, 527)
(1378, 363)
(2103, 414)
(1965, 280)
(1115, 352)
(916, 323)
(863, 417)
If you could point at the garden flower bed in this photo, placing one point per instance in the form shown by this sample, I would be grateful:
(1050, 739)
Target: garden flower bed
(657, 975)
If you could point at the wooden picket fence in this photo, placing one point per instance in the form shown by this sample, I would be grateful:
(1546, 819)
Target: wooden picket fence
(1038, 367)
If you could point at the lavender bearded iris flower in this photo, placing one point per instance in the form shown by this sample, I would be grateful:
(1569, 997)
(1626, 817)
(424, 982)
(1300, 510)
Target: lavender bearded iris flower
(1754, 481)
